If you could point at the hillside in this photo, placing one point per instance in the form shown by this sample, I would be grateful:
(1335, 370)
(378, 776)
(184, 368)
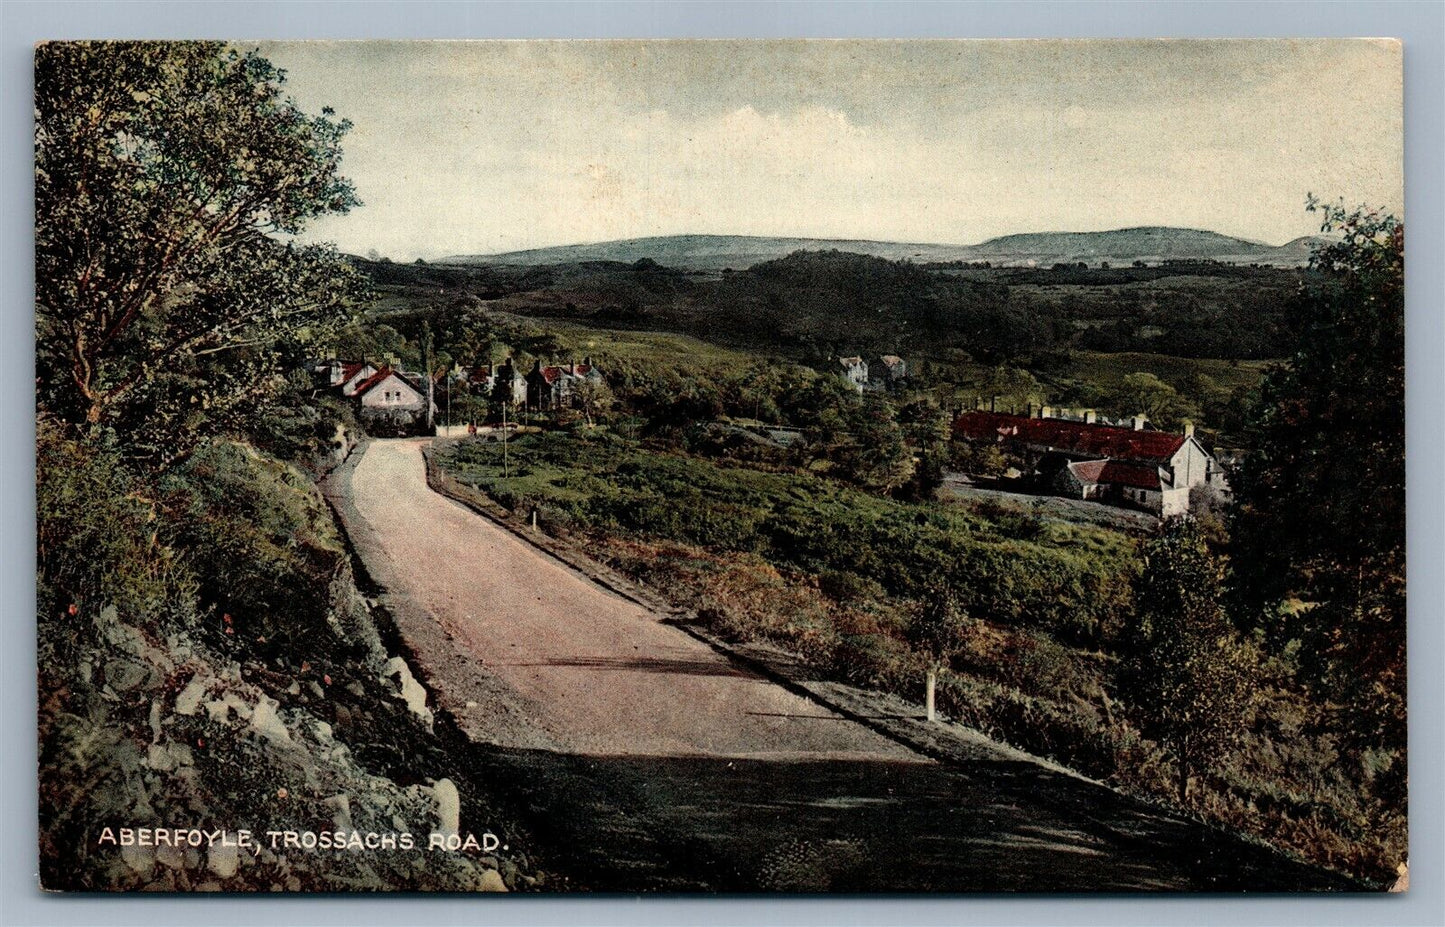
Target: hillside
(713, 252)
(716, 252)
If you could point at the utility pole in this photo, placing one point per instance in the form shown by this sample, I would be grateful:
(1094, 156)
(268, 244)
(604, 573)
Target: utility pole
(506, 470)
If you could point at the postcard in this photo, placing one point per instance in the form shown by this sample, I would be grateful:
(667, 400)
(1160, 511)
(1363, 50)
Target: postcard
(721, 466)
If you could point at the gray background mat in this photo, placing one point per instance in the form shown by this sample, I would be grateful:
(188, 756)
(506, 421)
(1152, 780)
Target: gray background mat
(1420, 25)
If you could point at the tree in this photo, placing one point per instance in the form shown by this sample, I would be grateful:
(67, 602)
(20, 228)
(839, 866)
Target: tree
(1188, 675)
(1146, 394)
(936, 629)
(926, 430)
(1320, 514)
(593, 397)
(170, 178)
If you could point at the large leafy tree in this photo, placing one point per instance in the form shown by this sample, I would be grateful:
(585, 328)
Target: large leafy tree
(1187, 674)
(169, 181)
(1321, 498)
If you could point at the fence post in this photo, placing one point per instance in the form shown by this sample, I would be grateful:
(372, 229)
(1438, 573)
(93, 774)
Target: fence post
(928, 698)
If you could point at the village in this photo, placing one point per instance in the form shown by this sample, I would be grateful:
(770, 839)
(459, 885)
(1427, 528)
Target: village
(1068, 453)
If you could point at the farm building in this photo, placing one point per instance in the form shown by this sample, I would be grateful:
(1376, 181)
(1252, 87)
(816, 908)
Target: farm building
(1134, 466)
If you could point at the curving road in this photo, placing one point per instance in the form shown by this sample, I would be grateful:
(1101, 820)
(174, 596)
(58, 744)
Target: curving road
(595, 672)
(645, 760)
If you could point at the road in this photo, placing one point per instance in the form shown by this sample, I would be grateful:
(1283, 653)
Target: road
(648, 761)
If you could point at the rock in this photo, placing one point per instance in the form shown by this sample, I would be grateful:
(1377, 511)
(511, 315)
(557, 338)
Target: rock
(492, 882)
(124, 675)
(223, 859)
(294, 688)
(509, 872)
(140, 859)
(159, 758)
(412, 692)
(220, 709)
(449, 806)
(340, 806)
(266, 722)
(173, 857)
(190, 698)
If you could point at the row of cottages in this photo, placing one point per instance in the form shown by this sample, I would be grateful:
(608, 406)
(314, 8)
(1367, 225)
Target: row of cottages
(1132, 466)
(390, 400)
(885, 372)
(543, 387)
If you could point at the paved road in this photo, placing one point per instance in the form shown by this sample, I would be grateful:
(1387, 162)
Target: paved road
(645, 760)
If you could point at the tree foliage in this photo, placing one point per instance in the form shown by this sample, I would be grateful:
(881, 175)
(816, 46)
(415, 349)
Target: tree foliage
(168, 180)
(1188, 674)
(1321, 513)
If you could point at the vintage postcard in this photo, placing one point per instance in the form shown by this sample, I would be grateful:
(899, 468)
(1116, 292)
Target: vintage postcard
(721, 466)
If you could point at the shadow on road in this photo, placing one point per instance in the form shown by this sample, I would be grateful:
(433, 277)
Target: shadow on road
(635, 824)
(643, 664)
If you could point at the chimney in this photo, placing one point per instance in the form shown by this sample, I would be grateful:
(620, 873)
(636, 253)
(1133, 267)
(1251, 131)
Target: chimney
(1188, 429)
(587, 361)
(1089, 417)
(1138, 422)
(1046, 412)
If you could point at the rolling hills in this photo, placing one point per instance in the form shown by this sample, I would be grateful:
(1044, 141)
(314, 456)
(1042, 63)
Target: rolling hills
(1151, 244)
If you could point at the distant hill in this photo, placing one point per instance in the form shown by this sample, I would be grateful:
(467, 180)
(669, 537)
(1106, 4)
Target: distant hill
(715, 252)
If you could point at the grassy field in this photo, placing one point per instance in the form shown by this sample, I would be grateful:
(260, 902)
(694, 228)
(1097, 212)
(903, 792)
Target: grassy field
(1107, 370)
(614, 349)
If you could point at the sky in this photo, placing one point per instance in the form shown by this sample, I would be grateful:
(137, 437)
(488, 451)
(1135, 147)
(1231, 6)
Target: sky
(484, 147)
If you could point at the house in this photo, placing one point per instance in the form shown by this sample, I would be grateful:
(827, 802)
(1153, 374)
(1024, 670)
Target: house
(508, 385)
(341, 375)
(887, 372)
(393, 402)
(550, 387)
(855, 371)
(1134, 466)
(479, 380)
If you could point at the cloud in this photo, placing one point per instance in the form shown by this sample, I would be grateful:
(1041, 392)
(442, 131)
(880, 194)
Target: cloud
(477, 147)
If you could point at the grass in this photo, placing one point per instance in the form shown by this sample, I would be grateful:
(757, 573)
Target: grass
(1109, 370)
(841, 578)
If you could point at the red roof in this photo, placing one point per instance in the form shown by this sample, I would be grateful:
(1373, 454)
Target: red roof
(550, 374)
(378, 377)
(350, 370)
(1098, 441)
(1121, 472)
